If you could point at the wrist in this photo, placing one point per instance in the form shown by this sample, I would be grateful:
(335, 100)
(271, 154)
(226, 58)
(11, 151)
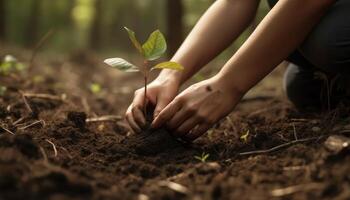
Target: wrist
(169, 76)
(227, 85)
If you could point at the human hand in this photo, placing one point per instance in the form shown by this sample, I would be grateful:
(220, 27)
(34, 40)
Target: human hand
(159, 92)
(197, 108)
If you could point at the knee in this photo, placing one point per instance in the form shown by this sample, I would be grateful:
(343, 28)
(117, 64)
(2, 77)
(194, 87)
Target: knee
(301, 88)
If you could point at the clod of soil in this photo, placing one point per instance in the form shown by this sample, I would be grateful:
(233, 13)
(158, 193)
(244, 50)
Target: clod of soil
(152, 142)
(77, 118)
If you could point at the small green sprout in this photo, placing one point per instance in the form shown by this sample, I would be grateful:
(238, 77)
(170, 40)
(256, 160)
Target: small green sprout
(203, 158)
(10, 64)
(95, 88)
(152, 49)
(2, 90)
(245, 136)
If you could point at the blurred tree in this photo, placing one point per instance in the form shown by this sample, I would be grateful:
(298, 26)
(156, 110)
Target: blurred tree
(32, 29)
(95, 31)
(2, 20)
(175, 26)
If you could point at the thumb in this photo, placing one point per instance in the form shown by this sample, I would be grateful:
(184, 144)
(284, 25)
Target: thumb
(162, 102)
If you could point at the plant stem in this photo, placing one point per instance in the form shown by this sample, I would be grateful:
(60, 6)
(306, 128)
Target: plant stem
(145, 75)
(145, 98)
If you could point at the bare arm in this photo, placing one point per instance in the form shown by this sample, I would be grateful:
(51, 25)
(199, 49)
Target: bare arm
(221, 24)
(281, 32)
(197, 108)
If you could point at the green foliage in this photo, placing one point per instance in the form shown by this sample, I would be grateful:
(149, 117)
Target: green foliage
(134, 40)
(2, 90)
(169, 65)
(152, 49)
(155, 46)
(121, 64)
(95, 88)
(10, 64)
(245, 136)
(203, 158)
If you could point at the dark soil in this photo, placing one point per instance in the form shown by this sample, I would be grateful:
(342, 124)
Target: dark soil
(55, 154)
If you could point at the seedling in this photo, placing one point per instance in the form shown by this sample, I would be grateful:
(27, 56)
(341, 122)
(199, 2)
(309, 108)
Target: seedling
(245, 136)
(203, 158)
(152, 49)
(10, 64)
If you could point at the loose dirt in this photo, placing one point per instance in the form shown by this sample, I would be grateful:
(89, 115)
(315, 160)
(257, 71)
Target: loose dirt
(48, 150)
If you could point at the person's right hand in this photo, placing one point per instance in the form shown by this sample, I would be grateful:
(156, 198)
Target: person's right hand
(159, 92)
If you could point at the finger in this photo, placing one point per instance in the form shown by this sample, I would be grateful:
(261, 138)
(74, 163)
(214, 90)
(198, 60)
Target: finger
(166, 114)
(138, 116)
(187, 126)
(133, 125)
(162, 102)
(197, 132)
(181, 116)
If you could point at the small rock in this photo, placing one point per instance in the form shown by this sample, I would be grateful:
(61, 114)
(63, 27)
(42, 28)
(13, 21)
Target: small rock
(337, 143)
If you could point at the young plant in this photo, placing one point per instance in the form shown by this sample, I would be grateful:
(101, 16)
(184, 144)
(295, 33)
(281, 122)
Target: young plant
(10, 64)
(203, 158)
(152, 49)
(245, 136)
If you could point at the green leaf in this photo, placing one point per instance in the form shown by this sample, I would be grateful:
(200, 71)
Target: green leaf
(155, 46)
(169, 65)
(121, 64)
(134, 40)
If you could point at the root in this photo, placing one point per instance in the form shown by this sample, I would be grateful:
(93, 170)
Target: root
(278, 147)
(53, 146)
(106, 118)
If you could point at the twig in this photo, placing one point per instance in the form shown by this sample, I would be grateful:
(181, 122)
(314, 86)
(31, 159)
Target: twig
(295, 132)
(18, 121)
(32, 124)
(174, 186)
(277, 147)
(7, 130)
(296, 188)
(26, 103)
(38, 45)
(104, 118)
(53, 146)
(44, 96)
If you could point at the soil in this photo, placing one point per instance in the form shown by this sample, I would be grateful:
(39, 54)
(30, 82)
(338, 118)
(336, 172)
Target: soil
(48, 150)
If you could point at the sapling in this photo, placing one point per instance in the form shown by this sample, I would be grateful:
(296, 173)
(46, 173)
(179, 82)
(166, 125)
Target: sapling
(151, 50)
(203, 158)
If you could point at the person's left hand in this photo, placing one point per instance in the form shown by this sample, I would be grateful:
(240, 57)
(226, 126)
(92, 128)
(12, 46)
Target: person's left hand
(197, 108)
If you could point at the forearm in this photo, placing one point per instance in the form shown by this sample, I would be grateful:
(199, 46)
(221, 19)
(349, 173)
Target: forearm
(222, 23)
(281, 32)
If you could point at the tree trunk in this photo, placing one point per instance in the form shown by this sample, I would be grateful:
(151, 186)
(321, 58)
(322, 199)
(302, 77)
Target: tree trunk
(175, 25)
(2, 20)
(32, 32)
(95, 31)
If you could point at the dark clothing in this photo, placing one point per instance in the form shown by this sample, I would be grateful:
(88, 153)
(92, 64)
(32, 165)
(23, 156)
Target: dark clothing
(325, 51)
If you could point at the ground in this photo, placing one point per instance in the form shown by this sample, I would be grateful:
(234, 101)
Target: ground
(51, 147)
